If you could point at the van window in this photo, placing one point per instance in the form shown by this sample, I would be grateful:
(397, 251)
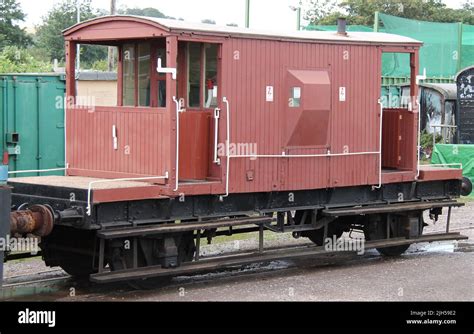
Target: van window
(211, 76)
(144, 75)
(128, 55)
(194, 75)
(161, 54)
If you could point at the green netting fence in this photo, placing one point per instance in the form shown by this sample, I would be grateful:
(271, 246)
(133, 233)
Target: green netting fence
(449, 154)
(467, 48)
(334, 28)
(447, 47)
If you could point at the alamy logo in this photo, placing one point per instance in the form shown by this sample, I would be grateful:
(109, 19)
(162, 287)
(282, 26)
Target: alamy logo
(345, 245)
(37, 317)
(10, 244)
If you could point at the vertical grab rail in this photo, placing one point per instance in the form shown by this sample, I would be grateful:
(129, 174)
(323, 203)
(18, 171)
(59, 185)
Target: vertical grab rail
(216, 135)
(178, 110)
(418, 146)
(227, 150)
(380, 145)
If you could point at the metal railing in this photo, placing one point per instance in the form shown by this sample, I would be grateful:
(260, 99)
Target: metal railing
(443, 134)
(89, 188)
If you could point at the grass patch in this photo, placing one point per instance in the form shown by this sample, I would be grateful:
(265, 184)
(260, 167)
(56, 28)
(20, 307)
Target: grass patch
(466, 199)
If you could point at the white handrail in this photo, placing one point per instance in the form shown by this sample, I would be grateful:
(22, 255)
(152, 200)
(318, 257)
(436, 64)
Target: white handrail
(178, 110)
(380, 144)
(301, 155)
(165, 70)
(66, 164)
(444, 126)
(227, 142)
(216, 136)
(37, 171)
(418, 147)
(228, 156)
(89, 188)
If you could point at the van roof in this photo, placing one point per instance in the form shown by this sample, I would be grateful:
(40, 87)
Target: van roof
(178, 26)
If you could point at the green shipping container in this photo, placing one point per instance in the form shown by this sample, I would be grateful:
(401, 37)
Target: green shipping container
(32, 122)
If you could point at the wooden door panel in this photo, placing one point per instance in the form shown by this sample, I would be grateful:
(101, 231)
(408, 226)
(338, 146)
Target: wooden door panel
(194, 145)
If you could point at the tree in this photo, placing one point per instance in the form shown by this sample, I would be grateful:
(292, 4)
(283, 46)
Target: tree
(64, 15)
(361, 12)
(208, 21)
(16, 60)
(318, 10)
(11, 34)
(469, 5)
(150, 12)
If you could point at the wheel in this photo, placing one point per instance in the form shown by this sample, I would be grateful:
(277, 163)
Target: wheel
(335, 228)
(77, 265)
(376, 229)
(71, 249)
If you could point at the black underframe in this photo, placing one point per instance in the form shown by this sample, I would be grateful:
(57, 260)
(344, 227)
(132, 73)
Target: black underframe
(133, 213)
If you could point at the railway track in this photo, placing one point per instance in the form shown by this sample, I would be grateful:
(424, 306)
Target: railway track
(57, 283)
(32, 285)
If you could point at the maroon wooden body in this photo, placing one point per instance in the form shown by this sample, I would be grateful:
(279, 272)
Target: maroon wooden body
(287, 95)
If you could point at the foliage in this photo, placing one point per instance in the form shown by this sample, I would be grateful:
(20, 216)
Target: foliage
(16, 60)
(469, 5)
(426, 142)
(318, 11)
(62, 16)
(361, 12)
(11, 34)
(100, 65)
(150, 12)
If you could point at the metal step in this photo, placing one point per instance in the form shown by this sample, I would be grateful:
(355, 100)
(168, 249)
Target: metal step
(182, 227)
(223, 262)
(389, 208)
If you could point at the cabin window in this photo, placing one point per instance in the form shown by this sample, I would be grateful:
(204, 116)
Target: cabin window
(144, 75)
(128, 75)
(194, 75)
(295, 97)
(161, 54)
(139, 60)
(431, 103)
(449, 112)
(211, 76)
(202, 61)
(406, 98)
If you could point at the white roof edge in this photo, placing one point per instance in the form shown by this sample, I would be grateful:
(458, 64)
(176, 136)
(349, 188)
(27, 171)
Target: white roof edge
(367, 37)
(374, 37)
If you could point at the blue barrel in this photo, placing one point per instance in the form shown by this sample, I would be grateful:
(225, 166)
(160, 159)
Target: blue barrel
(3, 174)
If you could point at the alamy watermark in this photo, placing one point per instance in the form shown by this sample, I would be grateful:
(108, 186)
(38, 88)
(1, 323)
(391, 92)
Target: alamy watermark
(345, 245)
(395, 101)
(23, 245)
(37, 317)
(78, 102)
(238, 149)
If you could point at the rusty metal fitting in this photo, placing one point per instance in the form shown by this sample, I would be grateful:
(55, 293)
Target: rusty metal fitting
(37, 220)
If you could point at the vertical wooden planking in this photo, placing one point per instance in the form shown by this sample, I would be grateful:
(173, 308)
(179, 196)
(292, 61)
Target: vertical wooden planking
(91, 142)
(253, 120)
